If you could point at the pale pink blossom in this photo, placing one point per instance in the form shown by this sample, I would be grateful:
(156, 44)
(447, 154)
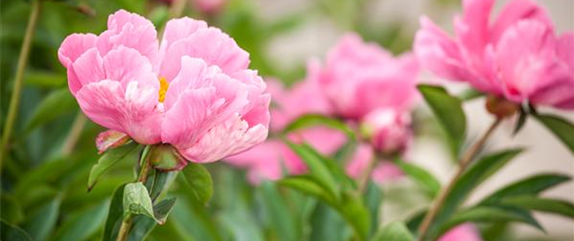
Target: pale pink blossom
(192, 91)
(272, 159)
(518, 55)
(359, 77)
(464, 232)
(388, 130)
(384, 170)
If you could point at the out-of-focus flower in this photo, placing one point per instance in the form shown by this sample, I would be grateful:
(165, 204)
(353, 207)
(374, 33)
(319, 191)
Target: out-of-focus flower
(389, 131)
(204, 6)
(273, 158)
(359, 77)
(517, 56)
(383, 172)
(194, 91)
(464, 232)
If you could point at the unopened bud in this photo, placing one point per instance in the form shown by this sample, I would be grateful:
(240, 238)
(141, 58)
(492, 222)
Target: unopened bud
(166, 158)
(501, 107)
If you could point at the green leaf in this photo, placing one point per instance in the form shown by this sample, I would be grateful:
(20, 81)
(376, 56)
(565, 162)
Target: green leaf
(422, 177)
(395, 231)
(283, 222)
(50, 79)
(143, 225)
(340, 176)
(555, 206)
(109, 159)
(469, 180)
(199, 181)
(41, 225)
(326, 223)
(561, 128)
(55, 104)
(137, 200)
(11, 209)
(115, 214)
(374, 201)
(317, 168)
(13, 233)
(312, 120)
(521, 121)
(448, 110)
(162, 209)
(83, 224)
(470, 94)
(307, 184)
(528, 186)
(356, 213)
(489, 213)
(161, 181)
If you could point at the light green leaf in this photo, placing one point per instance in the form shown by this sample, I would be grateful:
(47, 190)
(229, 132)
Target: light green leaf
(448, 110)
(307, 184)
(137, 201)
(555, 206)
(395, 231)
(83, 224)
(529, 186)
(109, 159)
(199, 180)
(561, 128)
(312, 120)
(13, 233)
(282, 221)
(422, 177)
(55, 104)
(356, 213)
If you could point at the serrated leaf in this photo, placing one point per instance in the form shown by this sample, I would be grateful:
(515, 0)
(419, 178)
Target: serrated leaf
(312, 120)
(137, 201)
(528, 186)
(560, 127)
(109, 159)
(13, 233)
(422, 177)
(560, 207)
(395, 231)
(199, 180)
(448, 110)
(489, 213)
(55, 104)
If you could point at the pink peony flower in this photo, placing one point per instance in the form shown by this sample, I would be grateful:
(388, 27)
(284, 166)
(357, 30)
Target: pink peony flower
(388, 130)
(359, 77)
(464, 232)
(192, 91)
(518, 55)
(273, 158)
(383, 172)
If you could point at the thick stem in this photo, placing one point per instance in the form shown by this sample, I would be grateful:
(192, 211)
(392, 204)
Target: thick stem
(18, 81)
(127, 222)
(465, 161)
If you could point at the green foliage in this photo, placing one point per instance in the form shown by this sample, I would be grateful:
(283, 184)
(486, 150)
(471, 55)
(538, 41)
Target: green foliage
(422, 177)
(199, 181)
(560, 127)
(311, 120)
(394, 231)
(109, 159)
(10, 232)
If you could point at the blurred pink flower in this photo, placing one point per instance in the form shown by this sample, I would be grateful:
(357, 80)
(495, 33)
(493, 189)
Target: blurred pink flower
(383, 172)
(271, 159)
(388, 130)
(204, 6)
(517, 56)
(359, 77)
(464, 232)
(192, 91)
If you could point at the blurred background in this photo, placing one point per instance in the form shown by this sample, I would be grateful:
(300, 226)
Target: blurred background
(52, 150)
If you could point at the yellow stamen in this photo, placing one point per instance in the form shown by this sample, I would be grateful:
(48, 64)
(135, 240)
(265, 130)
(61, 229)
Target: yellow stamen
(163, 85)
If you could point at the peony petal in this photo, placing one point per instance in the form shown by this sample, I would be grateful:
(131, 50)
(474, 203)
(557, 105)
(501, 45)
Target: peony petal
(177, 29)
(126, 65)
(110, 139)
(516, 11)
(466, 232)
(74, 46)
(131, 111)
(228, 138)
(87, 69)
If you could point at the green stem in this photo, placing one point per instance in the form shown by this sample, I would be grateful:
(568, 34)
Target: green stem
(18, 81)
(74, 134)
(465, 161)
(127, 222)
(366, 175)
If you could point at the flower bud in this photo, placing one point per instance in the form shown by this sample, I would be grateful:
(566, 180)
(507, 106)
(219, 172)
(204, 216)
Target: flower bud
(501, 107)
(166, 158)
(387, 130)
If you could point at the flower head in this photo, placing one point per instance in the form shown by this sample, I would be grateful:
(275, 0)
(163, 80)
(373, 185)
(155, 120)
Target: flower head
(466, 232)
(193, 91)
(518, 55)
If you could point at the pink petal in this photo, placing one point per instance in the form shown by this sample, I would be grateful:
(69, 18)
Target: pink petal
(177, 29)
(473, 29)
(263, 161)
(131, 111)
(228, 138)
(565, 49)
(211, 45)
(110, 139)
(74, 46)
(88, 68)
(466, 232)
(515, 11)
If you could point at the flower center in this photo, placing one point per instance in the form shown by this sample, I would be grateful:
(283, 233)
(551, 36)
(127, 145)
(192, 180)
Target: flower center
(163, 85)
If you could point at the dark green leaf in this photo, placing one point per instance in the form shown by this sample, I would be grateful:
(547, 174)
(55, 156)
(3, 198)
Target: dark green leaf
(40, 226)
(11, 209)
(555, 206)
(422, 177)
(12, 233)
(115, 214)
(521, 121)
(109, 159)
(448, 110)
(529, 186)
(137, 200)
(199, 180)
(162, 209)
(143, 225)
(83, 224)
(312, 120)
(326, 223)
(561, 128)
(374, 201)
(161, 181)
(57, 103)
(395, 231)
